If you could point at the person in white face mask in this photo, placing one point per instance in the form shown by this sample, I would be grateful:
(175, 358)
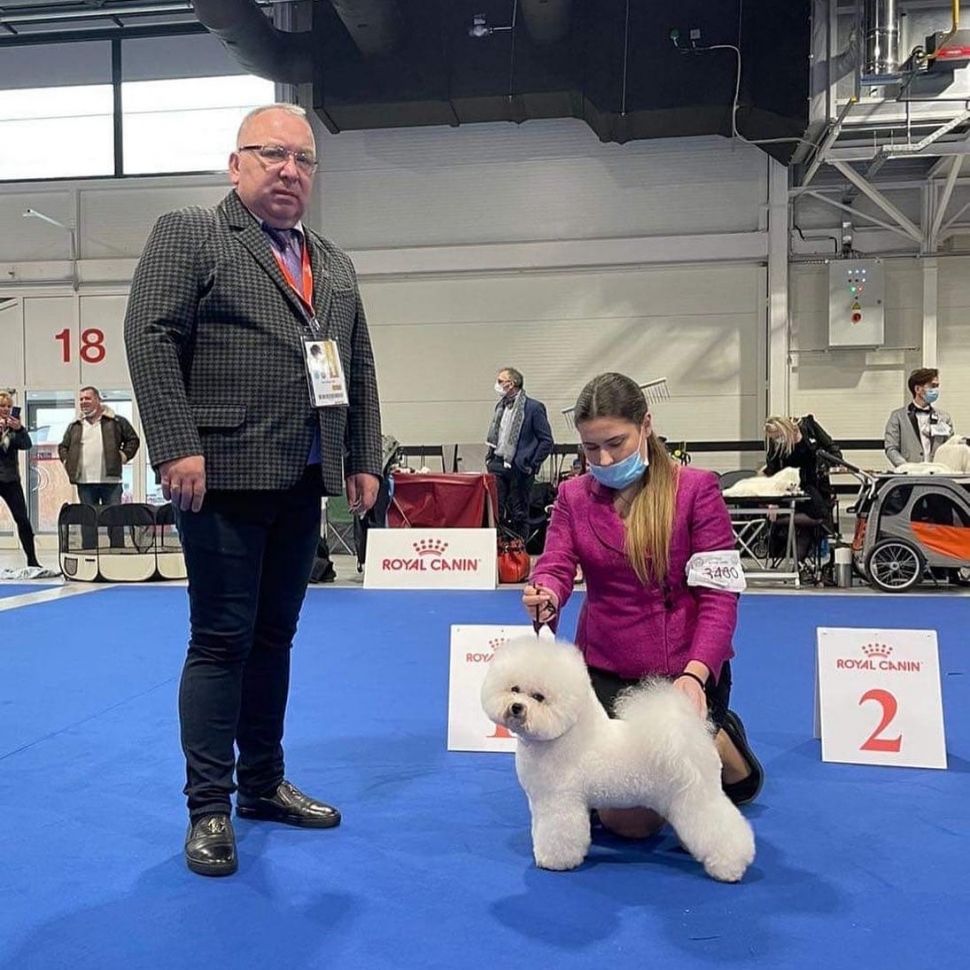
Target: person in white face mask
(914, 432)
(520, 440)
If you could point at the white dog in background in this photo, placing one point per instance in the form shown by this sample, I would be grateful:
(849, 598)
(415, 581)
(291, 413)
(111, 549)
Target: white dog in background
(951, 458)
(923, 468)
(955, 454)
(784, 482)
(571, 757)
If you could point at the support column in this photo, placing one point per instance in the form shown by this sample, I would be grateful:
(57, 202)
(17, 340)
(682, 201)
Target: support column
(777, 356)
(931, 294)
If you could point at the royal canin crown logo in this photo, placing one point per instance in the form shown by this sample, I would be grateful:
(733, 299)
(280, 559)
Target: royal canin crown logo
(878, 656)
(493, 645)
(430, 547)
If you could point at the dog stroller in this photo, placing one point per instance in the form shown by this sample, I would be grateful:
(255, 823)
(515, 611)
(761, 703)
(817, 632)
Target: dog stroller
(911, 529)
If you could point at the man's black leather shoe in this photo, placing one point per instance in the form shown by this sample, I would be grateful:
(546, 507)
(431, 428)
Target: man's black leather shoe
(210, 846)
(287, 805)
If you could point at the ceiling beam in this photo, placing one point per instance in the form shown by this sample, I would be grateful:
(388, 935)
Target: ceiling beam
(872, 193)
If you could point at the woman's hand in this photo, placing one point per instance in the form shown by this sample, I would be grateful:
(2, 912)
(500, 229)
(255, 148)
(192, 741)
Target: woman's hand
(540, 603)
(695, 693)
(13, 423)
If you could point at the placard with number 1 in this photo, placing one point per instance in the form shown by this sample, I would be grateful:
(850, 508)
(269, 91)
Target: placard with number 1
(878, 699)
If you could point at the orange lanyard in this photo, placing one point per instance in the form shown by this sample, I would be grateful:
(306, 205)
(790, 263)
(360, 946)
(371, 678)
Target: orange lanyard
(306, 296)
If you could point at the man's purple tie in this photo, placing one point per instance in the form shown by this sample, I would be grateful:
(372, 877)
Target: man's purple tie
(287, 245)
(286, 242)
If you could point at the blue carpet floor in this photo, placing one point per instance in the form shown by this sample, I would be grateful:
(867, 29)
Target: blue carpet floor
(18, 589)
(857, 867)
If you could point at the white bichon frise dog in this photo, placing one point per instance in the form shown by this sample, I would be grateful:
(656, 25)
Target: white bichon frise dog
(954, 453)
(783, 482)
(571, 757)
(922, 468)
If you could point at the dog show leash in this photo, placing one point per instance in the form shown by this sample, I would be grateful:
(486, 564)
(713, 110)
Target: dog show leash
(538, 624)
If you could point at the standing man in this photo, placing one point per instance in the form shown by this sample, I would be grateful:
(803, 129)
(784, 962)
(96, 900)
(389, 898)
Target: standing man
(520, 441)
(93, 449)
(225, 306)
(914, 432)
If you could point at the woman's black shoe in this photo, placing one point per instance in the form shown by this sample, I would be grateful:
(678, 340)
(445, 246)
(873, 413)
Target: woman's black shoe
(747, 789)
(210, 846)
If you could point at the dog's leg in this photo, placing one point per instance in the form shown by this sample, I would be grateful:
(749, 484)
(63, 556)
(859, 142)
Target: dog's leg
(714, 832)
(560, 831)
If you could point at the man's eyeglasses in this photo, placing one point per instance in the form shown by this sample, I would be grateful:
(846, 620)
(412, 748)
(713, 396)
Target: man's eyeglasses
(306, 162)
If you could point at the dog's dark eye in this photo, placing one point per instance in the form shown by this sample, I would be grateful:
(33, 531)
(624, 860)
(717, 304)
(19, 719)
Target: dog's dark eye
(515, 690)
(539, 697)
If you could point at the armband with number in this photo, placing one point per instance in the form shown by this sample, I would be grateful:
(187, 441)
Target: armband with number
(719, 569)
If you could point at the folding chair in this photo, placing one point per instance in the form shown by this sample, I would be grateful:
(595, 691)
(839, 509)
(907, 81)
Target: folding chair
(424, 452)
(340, 525)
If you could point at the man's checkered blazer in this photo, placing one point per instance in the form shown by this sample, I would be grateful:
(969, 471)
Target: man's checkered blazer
(214, 335)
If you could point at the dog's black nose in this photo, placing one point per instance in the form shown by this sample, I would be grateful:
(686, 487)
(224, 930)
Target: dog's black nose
(517, 710)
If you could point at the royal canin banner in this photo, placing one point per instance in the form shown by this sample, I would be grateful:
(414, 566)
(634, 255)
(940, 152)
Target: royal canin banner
(431, 559)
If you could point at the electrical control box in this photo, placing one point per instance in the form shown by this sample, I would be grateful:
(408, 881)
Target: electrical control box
(857, 290)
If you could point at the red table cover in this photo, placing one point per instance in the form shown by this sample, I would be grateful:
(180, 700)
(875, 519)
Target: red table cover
(443, 501)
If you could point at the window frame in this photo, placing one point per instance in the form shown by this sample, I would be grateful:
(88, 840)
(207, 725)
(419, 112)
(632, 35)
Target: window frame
(115, 36)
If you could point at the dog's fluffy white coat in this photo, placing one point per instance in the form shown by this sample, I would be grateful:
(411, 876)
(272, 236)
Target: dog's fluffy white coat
(923, 468)
(783, 482)
(571, 757)
(955, 454)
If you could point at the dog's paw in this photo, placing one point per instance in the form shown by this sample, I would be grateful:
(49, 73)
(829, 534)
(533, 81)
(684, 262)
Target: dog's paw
(727, 869)
(559, 862)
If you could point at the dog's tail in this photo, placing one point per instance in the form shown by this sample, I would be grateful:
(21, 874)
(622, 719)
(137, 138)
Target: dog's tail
(673, 734)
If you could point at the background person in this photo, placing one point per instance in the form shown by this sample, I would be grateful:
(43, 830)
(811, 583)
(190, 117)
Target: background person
(520, 440)
(796, 443)
(914, 432)
(14, 439)
(93, 450)
(633, 524)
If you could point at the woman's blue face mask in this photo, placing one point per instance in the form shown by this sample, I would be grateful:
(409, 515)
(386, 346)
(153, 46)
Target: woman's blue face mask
(622, 473)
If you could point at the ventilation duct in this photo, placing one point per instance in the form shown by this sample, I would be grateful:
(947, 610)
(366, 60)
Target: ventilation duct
(375, 25)
(880, 28)
(256, 44)
(615, 64)
(546, 20)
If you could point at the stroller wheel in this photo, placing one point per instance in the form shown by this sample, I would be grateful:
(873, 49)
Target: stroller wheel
(894, 566)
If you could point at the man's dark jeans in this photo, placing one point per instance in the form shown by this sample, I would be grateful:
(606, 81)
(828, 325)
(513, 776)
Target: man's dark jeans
(99, 495)
(248, 555)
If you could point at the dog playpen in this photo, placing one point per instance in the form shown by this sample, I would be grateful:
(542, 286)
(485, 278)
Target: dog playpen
(131, 543)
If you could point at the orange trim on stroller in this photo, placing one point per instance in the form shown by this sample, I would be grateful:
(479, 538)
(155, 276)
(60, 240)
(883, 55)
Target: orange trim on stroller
(947, 540)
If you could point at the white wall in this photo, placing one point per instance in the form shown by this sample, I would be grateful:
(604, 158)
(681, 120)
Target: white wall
(440, 343)
(537, 181)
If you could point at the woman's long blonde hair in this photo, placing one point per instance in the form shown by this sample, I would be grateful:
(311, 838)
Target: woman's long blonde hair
(781, 436)
(6, 399)
(651, 520)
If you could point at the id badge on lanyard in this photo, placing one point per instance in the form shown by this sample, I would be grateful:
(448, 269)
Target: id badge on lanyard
(324, 369)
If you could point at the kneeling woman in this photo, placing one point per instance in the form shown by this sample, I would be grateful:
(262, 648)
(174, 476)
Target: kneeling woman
(643, 529)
